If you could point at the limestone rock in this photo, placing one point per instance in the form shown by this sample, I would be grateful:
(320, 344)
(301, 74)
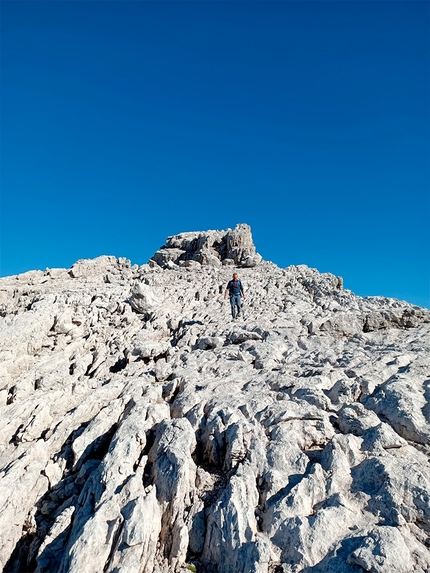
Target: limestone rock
(143, 299)
(100, 265)
(143, 431)
(383, 551)
(251, 260)
(213, 248)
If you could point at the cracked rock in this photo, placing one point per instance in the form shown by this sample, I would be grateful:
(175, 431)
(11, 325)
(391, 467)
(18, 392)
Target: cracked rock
(143, 431)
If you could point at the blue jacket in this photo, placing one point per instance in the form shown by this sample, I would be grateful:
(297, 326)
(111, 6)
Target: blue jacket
(235, 288)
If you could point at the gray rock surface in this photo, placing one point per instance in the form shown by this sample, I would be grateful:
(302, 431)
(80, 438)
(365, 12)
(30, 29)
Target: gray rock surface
(142, 430)
(230, 247)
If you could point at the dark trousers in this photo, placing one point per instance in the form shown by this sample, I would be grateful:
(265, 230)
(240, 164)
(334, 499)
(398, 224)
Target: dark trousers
(235, 301)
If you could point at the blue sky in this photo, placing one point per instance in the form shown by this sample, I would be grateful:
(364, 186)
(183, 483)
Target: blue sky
(125, 122)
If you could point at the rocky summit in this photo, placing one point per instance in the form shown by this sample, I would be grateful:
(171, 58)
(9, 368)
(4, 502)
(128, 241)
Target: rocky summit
(142, 430)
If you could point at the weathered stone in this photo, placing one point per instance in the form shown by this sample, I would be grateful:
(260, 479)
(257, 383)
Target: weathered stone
(88, 267)
(209, 248)
(383, 551)
(251, 260)
(210, 342)
(141, 430)
(165, 256)
(143, 299)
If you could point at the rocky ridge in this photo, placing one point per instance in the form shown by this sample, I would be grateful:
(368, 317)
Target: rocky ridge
(142, 430)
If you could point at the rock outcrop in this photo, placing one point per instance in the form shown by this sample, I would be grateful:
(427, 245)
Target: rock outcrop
(142, 430)
(214, 248)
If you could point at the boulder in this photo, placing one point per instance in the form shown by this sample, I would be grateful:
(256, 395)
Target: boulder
(88, 267)
(143, 299)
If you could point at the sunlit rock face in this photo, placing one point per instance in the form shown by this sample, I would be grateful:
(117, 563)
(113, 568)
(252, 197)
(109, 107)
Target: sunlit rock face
(213, 248)
(142, 430)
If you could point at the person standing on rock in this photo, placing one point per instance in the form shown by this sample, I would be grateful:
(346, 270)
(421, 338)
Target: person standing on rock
(235, 289)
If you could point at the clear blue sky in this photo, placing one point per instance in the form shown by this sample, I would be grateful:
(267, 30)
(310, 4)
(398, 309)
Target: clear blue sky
(125, 122)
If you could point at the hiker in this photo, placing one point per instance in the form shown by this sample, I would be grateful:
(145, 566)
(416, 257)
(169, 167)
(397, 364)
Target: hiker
(235, 289)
